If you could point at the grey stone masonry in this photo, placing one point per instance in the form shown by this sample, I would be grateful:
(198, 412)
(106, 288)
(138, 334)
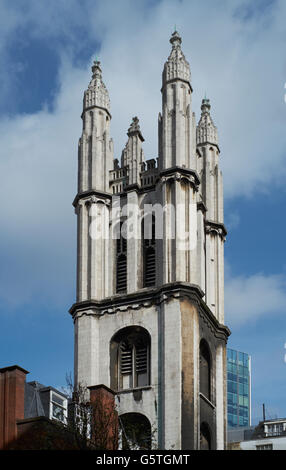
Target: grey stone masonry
(164, 292)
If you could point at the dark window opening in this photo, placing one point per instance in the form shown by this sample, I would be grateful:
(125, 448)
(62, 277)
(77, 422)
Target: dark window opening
(135, 431)
(205, 437)
(149, 251)
(205, 370)
(121, 262)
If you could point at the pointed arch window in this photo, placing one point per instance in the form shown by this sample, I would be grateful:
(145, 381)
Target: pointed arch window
(121, 262)
(149, 251)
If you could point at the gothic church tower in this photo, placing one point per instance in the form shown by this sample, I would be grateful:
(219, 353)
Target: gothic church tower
(149, 314)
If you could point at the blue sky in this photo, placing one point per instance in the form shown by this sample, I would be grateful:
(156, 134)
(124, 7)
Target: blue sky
(236, 52)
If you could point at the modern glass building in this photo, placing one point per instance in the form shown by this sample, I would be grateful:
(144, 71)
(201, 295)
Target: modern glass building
(238, 389)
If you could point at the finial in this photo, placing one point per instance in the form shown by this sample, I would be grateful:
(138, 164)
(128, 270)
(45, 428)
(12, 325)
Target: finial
(176, 39)
(205, 107)
(96, 70)
(135, 128)
(96, 94)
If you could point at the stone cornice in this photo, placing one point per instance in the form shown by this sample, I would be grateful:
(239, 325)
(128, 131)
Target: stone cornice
(89, 108)
(132, 187)
(87, 194)
(147, 298)
(208, 143)
(215, 227)
(201, 206)
(136, 133)
(182, 171)
(177, 80)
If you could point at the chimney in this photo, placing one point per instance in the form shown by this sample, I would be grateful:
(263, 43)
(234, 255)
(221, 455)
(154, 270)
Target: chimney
(104, 427)
(12, 396)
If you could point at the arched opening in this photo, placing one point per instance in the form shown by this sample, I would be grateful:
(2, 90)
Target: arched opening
(135, 431)
(205, 369)
(205, 437)
(149, 250)
(130, 358)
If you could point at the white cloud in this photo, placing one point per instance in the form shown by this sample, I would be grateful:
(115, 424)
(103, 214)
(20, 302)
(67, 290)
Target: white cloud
(238, 63)
(39, 166)
(249, 298)
(232, 220)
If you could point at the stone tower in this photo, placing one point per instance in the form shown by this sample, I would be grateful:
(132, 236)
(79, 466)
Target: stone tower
(149, 314)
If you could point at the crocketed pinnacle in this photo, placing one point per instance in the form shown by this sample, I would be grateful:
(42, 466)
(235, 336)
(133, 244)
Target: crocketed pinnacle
(96, 94)
(206, 130)
(176, 67)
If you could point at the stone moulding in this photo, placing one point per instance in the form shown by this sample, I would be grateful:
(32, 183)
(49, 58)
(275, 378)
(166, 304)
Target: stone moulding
(89, 108)
(147, 298)
(216, 228)
(207, 143)
(89, 194)
(173, 80)
(177, 170)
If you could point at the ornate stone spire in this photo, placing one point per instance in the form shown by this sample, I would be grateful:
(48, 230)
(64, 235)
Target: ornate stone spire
(96, 94)
(176, 67)
(206, 130)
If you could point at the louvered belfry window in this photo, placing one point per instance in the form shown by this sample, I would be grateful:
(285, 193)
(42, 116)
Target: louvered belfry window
(121, 262)
(149, 254)
(133, 361)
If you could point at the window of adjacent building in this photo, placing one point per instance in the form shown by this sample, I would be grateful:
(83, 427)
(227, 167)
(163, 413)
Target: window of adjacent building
(275, 429)
(238, 388)
(265, 447)
(58, 407)
(121, 262)
(205, 370)
(130, 349)
(149, 251)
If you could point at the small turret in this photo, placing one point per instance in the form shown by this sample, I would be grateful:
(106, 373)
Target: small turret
(95, 145)
(206, 130)
(175, 125)
(132, 155)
